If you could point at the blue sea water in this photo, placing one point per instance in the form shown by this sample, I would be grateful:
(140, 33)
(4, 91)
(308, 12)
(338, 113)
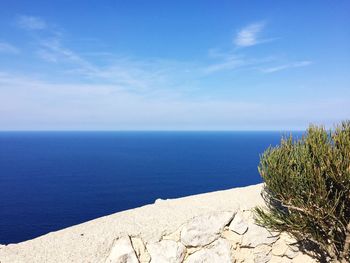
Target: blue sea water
(52, 180)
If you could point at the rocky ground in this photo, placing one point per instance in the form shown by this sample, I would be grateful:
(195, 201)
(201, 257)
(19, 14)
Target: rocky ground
(213, 227)
(217, 237)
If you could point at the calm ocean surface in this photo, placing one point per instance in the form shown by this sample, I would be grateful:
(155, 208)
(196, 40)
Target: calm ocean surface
(52, 180)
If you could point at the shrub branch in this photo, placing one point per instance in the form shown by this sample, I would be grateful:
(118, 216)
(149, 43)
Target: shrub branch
(307, 189)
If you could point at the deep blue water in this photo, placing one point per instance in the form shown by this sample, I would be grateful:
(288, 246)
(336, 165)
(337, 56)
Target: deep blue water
(52, 180)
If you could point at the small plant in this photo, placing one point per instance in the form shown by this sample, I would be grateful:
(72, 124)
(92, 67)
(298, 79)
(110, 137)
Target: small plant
(307, 189)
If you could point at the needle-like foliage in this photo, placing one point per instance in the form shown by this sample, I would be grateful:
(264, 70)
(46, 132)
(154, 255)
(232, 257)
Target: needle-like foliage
(307, 189)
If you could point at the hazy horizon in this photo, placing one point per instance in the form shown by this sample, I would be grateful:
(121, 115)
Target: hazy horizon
(153, 130)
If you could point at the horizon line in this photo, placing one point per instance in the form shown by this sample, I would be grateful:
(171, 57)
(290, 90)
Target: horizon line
(175, 130)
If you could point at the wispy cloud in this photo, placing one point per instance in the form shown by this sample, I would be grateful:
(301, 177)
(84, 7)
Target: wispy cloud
(125, 72)
(297, 64)
(142, 74)
(229, 62)
(249, 35)
(52, 50)
(31, 22)
(8, 48)
(233, 60)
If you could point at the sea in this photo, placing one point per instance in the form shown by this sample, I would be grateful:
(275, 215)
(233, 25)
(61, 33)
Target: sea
(53, 180)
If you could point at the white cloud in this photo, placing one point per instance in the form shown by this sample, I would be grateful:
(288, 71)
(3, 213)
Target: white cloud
(248, 36)
(31, 22)
(297, 64)
(47, 55)
(130, 74)
(8, 48)
(233, 61)
(228, 63)
(53, 51)
(301, 63)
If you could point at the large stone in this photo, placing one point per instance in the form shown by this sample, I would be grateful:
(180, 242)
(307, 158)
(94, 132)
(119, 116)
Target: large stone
(262, 258)
(222, 248)
(248, 216)
(140, 250)
(277, 259)
(245, 255)
(166, 251)
(238, 224)
(232, 237)
(122, 252)
(173, 236)
(280, 248)
(191, 250)
(217, 252)
(262, 254)
(290, 240)
(290, 253)
(257, 235)
(204, 256)
(303, 258)
(204, 229)
(292, 245)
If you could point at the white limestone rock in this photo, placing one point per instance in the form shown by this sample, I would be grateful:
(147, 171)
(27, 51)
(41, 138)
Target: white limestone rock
(217, 252)
(245, 255)
(204, 256)
(234, 238)
(191, 250)
(279, 248)
(277, 259)
(257, 235)
(238, 224)
(173, 236)
(166, 251)
(290, 253)
(262, 258)
(248, 216)
(202, 230)
(290, 240)
(140, 250)
(295, 248)
(122, 252)
(222, 248)
(302, 258)
(262, 254)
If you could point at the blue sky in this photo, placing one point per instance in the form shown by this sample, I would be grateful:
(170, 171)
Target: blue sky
(173, 65)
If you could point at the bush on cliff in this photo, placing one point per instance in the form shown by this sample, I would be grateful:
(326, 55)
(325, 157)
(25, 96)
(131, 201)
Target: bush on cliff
(307, 189)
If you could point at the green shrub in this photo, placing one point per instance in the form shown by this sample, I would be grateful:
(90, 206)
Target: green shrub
(307, 189)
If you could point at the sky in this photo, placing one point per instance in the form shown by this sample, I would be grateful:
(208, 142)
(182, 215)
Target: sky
(173, 65)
